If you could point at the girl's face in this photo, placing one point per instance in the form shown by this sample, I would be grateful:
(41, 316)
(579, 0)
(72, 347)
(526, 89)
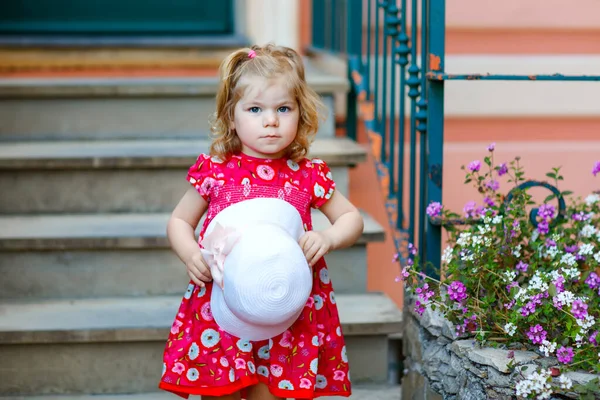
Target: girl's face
(266, 117)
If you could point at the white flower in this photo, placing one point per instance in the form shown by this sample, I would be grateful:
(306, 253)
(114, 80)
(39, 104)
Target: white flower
(497, 219)
(189, 291)
(565, 382)
(321, 382)
(537, 283)
(464, 238)
(231, 375)
(318, 301)
(484, 229)
(314, 365)
(568, 259)
(293, 165)
(586, 249)
(510, 329)
(548, 348)
(477, 240)
(592, 198)
(210, 338)
(244, 345)
(264, 352)
(572, 273)
(517, 251)
(586, 323)
(344, 355)
(193, 351)
(565, 298)
(286, 385)
(192, 374)
(536, 383)
(324, 276)
(319, 191)
(597, 257)
(535, 235)
(447, 255)
(262, 370)
(553, 251)
(588, 231)
(510, 276)
(251, 367)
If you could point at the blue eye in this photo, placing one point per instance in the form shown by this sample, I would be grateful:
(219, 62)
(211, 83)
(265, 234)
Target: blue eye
(283, 109)
(254, 109)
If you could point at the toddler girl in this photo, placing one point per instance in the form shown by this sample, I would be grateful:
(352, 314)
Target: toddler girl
(265, 121)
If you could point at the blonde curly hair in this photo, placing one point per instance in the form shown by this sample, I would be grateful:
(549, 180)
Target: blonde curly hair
(268, 62)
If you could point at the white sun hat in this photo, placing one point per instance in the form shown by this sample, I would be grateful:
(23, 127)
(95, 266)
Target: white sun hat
(262, 280)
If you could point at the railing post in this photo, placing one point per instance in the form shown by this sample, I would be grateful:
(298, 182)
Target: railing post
(354, 41)
(318, 24)
(436, 24)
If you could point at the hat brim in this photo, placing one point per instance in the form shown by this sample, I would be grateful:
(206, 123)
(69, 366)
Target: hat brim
(231, 324)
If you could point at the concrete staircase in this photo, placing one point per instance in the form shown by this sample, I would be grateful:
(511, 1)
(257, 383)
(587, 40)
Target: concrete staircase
(89, 170)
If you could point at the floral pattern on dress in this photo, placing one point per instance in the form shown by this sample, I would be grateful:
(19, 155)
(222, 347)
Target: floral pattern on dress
(306, 361)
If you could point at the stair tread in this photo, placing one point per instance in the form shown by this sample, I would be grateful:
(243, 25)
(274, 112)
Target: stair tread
(359, 392)
(319, 80)
(127, 230)
(145, 153)
(150, 318)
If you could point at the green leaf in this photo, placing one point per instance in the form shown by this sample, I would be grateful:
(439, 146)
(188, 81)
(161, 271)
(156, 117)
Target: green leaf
(549, 198)
(567, 192)
(488, 161)
(551, 175)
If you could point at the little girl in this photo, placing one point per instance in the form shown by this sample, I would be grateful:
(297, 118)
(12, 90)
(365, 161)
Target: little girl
(265, 121)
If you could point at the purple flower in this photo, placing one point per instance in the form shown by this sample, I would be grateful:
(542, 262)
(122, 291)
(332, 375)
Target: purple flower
(412, 249)
(474, 166)
(488, 202)
(596, 169)
(571, 249)
(593, 338)
(522, 266)
(424, 293)
(560, 284)
(457, 291)
(492, 146)
(493, 184)
(593, 280)
(550, 243)
(529, 308)
(470, 210)
(419, 309)
(537, 334)
(579, 309)
(546, 211)
(510, 305)
(565, 354)
(502, 169)
(511, 285)
(543, 227)
(434, 209)
(581, 216)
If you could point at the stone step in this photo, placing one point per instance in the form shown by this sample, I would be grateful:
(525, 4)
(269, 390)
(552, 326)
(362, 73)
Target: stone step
(112, 107)
(113, 175)
(115, 345)
(359, 392)
(123, 255)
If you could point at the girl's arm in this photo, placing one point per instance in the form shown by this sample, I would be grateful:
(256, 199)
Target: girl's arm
(181, 234)
(346, 227)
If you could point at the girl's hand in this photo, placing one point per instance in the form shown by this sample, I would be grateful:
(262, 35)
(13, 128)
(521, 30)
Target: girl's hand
(197, 269)
(315, 245)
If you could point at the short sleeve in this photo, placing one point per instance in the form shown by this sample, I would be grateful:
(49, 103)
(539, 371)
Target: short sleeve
(322, 185)
(201, 176)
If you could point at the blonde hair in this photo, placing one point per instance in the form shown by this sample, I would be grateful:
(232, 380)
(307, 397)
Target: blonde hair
(268, 62)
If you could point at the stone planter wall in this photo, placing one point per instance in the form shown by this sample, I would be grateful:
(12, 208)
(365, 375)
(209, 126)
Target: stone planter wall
(437, 366)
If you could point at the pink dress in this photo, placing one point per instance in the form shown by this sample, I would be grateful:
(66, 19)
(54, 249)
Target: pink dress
(306, 361)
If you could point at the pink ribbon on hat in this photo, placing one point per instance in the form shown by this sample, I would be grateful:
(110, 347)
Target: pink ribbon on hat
(251, 54)
(216, 246)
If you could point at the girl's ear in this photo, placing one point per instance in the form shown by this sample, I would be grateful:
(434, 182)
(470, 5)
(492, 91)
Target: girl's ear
(232, 126)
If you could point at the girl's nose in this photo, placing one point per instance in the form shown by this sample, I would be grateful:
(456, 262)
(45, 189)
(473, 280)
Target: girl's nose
(270, 119)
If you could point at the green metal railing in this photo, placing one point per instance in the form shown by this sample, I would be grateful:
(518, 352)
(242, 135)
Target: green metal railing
(392, 63)
(385, 68)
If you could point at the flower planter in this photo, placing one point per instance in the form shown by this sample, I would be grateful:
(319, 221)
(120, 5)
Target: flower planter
(438, 365)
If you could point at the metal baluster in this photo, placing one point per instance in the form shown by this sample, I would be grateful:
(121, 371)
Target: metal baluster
(368, 68)
(413, 93)
(403, 51)
(376, 90)
(435, 21)
(392, 32)
(384, 116)
(421, 119)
